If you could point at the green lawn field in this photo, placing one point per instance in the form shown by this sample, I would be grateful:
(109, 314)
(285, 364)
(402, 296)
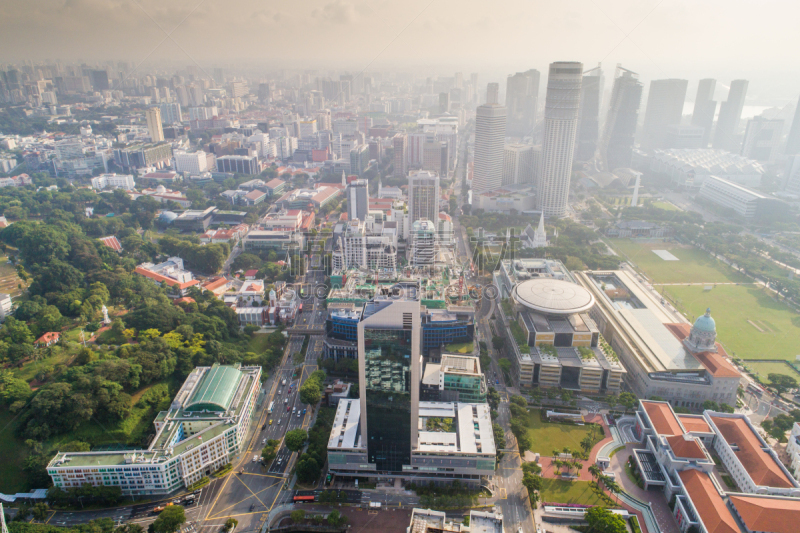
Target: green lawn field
(765, 369)
(546, 436)
(666, 206)
(560, 491)
(750, 323)
(694, 265)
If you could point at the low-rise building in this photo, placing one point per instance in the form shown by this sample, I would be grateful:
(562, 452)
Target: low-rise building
(113, 181)
(743, 201)
(456, 378)
(309, 198)
(203, 430)
(163, 195)
(627, 229)
(170, 272)
(195, 220)
(273, 240)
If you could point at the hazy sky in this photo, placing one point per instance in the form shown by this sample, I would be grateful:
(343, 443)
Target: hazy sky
(724, 39)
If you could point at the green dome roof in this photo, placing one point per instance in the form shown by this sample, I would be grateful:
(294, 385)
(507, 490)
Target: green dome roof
(706, 323)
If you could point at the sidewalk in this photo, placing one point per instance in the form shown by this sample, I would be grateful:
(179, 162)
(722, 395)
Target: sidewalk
(655, 497)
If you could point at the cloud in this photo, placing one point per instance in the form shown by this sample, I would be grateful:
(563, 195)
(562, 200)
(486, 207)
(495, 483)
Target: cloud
(337, 12)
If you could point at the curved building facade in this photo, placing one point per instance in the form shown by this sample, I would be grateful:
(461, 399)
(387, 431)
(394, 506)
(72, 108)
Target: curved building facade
(490, 132)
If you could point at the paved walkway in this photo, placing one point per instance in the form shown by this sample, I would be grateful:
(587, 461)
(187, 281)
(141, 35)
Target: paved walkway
(549, 471)
(655, 497)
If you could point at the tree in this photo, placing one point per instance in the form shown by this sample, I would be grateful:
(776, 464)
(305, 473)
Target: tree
(39, 511)
(298, 516)
(782, 382)
(627, 399)
(601, 520)
(230, 523)
(336, 519)
(295, 439)
(129, 528)
(169, 520)
(308, 470)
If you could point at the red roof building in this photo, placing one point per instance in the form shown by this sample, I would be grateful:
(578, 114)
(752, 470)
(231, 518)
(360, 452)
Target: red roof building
(112, 242)
(48, 339)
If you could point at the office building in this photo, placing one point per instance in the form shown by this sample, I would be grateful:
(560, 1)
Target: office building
(423, 196)
(726, 136)
(589, 119)
(793, 140)
(359, 159)
(388, 433)
(562, 106)
(429, 521)
(444, 103)
(367, 245)
(621, 120)
(99, 79)
(664, 108)
(663, 355)
(762, 139)
(136, 156)
(153, 115)
(522, 99)
(455, 378)
(704, 109)
(400, 146)
(521, 163)
(239, 164)
(739, 199)
(203, 430)
(683, 136)
(357, 200)
(191, 163)
(422, 252)
(490, 130)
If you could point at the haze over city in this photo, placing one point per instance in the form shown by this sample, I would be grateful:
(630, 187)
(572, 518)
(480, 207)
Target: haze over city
(333, 266)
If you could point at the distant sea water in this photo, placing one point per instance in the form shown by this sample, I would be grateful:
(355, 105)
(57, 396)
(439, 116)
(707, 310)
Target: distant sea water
(748, 111)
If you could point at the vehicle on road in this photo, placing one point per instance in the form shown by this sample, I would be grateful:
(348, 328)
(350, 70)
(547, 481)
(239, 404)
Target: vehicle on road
(304, 411)
(303, 498)
(283, 382)
(255, 458)
(160, 508)
(271, 406)
(270, 421)
(294, 409)
(286, 400)
(264, 440)
(299, 414)
(263, 427)
(288, 408)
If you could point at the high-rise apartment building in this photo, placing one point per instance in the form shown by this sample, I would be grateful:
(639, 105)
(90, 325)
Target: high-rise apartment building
(493, 93)
(562, 106)
(589, 119)
(522, 98)
(358, 200)
(171, 113)
(490, 130)
(153, 115)
(704, 108)
(623, 113)
(444, 102)
(664, 108)
(423, 196)
(730, 112)
(793, 140)
(400, 145)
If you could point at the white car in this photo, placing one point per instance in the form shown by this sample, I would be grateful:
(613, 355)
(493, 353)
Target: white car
(255, 458)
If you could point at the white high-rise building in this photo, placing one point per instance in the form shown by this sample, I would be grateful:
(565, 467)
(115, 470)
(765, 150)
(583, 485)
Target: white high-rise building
(193, 163)
(358, 200)
(153, 115)
(560, 127)
(520, 163)
(490, 131)
(423, 196)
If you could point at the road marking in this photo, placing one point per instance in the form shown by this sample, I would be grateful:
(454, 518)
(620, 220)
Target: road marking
(503, 493)
(254, 494)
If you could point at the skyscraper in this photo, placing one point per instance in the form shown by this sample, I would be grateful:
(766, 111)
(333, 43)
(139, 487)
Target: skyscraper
(388, 377)
(793, 140)
(153, 115)
(589, 120)
(423, 196)
(490, 131)
(493, 93)
(762, 139)
(623, 114)
(522, 97)
(664, 108)
(560, 127)
(730, 111)
(358, 200)
(444, 102)
(704, 108)
(400, 145)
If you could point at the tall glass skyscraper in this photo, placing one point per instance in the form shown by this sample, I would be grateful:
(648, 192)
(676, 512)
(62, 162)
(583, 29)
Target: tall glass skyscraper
(623, 114)
(730, 112)
(560, 127)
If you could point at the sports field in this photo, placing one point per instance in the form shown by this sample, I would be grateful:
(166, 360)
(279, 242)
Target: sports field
(561, 491)
(750, 323)
(694, 265)
(765, 369)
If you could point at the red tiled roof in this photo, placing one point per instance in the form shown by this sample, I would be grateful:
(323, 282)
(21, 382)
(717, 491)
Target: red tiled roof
(215, 283)
(255, 194)
(715, 363)
(776, 515)
(709, 504)
(686, 448)
(251, 272)
(663, 418)
(695, 423)
(184, 300)
(112, 242)
(274, 183)
(50, 336)
(760, 465)
(169, 281)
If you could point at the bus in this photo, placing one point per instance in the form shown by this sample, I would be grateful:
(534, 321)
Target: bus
(271, 405)
(299, 498)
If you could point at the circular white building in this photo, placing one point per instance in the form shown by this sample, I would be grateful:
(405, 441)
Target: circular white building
(551, 296)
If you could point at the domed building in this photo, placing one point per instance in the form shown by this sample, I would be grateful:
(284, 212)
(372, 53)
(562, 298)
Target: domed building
(703, 335)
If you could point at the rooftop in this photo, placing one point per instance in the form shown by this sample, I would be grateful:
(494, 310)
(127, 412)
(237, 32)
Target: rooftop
(750, 449)
(685, 447)
(216, 389)
(663, 418)
(777, 515)
(695, 423)
(553, 296)
(708, 502)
